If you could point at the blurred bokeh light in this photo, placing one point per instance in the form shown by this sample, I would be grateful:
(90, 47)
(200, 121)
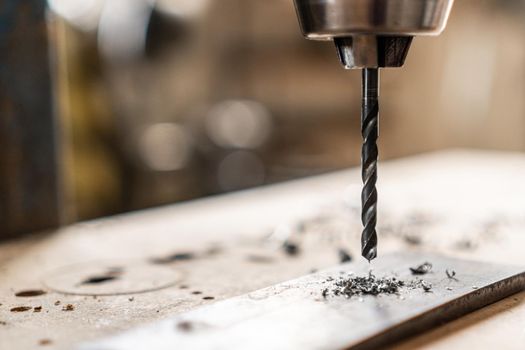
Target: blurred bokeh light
(169, 100)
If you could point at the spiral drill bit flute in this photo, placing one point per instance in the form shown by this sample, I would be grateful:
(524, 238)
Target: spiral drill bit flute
(369, 153)
(371, 34)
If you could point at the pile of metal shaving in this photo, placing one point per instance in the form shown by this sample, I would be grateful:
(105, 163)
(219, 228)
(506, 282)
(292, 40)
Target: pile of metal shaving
(371, 285)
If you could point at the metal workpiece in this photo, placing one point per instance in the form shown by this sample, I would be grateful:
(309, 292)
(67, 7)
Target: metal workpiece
(369, 155)
(295, 315)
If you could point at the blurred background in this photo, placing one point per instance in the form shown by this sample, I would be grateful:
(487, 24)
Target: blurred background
(160, 101)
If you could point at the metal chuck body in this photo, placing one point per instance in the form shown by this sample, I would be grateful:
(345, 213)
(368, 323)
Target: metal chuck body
(369, 155)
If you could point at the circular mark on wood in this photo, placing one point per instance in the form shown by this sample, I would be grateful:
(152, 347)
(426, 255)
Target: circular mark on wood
(100, 278)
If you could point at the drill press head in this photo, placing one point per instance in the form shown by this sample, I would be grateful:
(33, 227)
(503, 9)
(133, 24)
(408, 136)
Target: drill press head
(371, 33)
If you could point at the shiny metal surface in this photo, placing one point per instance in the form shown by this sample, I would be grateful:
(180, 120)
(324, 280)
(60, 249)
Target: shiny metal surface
(326, 19)
(371, 51)
(369, 155)
(294, 314)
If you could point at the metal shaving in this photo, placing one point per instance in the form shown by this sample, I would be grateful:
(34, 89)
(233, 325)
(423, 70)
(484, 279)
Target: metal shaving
(422, 269)
(344, 256)
(451, 274)
(427, 286)
(291, 248)
(371, 285)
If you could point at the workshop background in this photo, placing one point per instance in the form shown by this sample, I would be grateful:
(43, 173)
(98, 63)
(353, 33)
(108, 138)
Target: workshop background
(168, 100)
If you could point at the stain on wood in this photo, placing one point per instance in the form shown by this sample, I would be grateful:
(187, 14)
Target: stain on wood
(43, 342)
(68, 307)
(30, 293)
(21, 308)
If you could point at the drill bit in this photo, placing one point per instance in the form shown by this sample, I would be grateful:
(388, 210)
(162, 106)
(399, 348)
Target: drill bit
(369, 153)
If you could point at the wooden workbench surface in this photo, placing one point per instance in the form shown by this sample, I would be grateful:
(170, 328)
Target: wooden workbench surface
(466, 204)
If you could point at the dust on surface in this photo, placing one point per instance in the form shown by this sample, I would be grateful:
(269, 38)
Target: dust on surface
(37, 309)
(43, 342)
(171, 258)
(68, 307)
(259, 259)
(185, 326)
